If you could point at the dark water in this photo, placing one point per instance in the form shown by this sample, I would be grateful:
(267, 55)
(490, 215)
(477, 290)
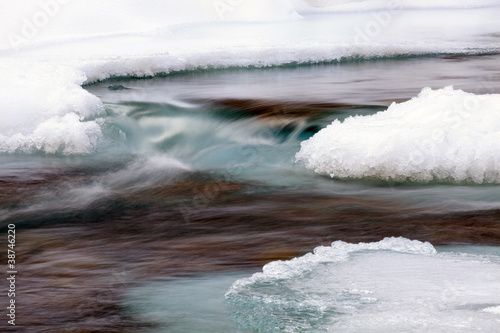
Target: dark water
(196, 174)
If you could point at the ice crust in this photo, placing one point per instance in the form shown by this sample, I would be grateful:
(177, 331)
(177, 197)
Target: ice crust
(444, 135)
(388, 286)
(50, 48)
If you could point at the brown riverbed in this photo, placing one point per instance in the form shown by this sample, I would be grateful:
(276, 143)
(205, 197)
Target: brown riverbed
(73, 270)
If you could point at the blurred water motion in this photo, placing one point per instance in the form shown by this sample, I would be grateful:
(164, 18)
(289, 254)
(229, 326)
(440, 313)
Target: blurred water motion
(184, 186)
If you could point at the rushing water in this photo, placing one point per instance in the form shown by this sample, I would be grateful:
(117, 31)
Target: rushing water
(411, 288)
(202, 158)
(247, 126)
(152, 170)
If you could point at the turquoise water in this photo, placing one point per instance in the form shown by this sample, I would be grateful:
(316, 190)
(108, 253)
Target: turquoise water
(210, 120)
(192, 304)
(247, 126)
(376, 291)
(190, 121)
(197, 171)
(169, 167)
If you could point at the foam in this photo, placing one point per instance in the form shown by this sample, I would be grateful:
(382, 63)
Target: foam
(444, 134)
(140, 174)
(387, 286)
(144, 173)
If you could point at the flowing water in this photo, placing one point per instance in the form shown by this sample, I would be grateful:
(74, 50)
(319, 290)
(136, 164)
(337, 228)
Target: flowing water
(154, 170)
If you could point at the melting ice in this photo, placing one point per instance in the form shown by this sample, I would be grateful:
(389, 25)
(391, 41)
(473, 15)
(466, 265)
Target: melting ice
(388, 286)
(49, 48)
(444, 134)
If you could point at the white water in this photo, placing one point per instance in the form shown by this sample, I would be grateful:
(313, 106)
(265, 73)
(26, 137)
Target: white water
(389, 286)
(49, 48)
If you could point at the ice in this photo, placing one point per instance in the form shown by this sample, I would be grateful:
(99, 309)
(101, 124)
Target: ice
(44, 108)
(443, 134)
(387, 286)
(50, 48)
